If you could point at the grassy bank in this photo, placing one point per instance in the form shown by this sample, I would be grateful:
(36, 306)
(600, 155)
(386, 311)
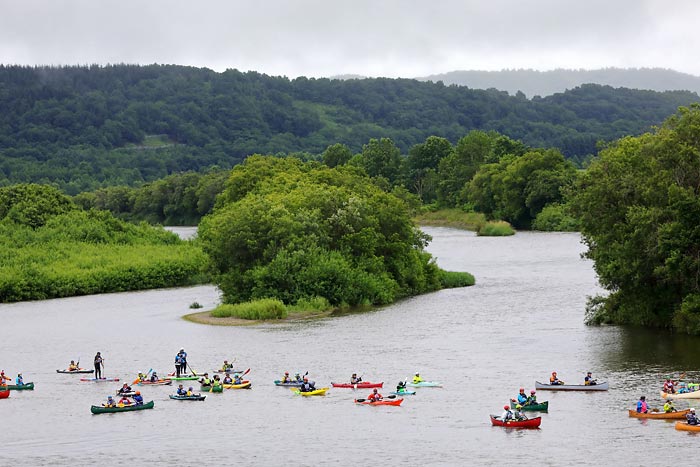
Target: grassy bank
(451, 218)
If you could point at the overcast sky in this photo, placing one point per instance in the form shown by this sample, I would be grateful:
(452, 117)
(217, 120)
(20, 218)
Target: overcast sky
(391, 38)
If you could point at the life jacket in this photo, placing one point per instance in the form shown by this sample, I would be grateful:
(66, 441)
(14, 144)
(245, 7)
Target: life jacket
(189, 393)
(138, 399)
(286, 379)
(522, 398)
(206, 382)
(417, 379)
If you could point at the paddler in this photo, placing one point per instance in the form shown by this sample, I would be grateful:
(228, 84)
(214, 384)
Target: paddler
(125, 389)
(532, 400)
(73, 366)
(642, 406)
(286, 378)
(669, 386)
(417, 379)
(507, 415)
(19, 380)
(375, 396)
(588, 380)
(138, 399)
(181, 390)
(522, 397)
(125, 401)
(216, 383)
(307, 386)
(4, 377)
(554, 380)
(110, 402)
(237, 378)
(401, 387)
(354, 379)
(154, 377)
(691, 417)
(205, 381)
(227, 378)
(190, 392)
(668, 406)
(226, 366)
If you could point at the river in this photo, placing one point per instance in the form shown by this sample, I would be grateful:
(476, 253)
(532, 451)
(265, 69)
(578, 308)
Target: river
(522, 320)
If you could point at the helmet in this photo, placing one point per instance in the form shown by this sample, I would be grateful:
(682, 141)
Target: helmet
(506, 407)
(522, 389)
(286, 372)
(182, 350)
(109, 397)
(354, 374)
(532, 392)
(554, 372)
(138, 393)
(692, 410)
(190, 388)
(305, 378)
(518, 406)
(375, 390)
(589, 373)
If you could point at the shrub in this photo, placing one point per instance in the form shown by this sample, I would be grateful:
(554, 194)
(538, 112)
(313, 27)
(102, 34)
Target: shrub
(495, 229)
(266, 308)
(452, 279)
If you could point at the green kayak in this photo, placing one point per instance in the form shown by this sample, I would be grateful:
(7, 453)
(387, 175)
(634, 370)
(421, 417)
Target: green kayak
(14, 387)
(127, 408)
(541, 407)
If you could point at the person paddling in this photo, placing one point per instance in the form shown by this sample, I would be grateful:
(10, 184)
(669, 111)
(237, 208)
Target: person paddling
(228, 379)
(181, 390)
(154, 377)
(138, 399)
(417, 379)
(99, 364)
(73, 366)
(507, 415)
(518, 414)
(205, 381)
(691, 418)
(401, 387)
(307, 386)
(226, 366)
(375, 396)
(642, 406)
(110, 402)
(125, 401)
(532, 400)
(588, 380)
(522, 397)
(354, 379)
(125, 389)
(19, 380)
(286, 378)
(178, 365)
(216, 383)
(554, 380)
(668, 406)
(669, 386)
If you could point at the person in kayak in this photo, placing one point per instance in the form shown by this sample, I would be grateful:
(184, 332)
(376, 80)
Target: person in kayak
(532, 399)
(507, 415)
(297, 377)
(286, 378)
(375, 396)
(73, 366)
(307, 386)
(237, 378)
(668, 406)
(154, 377)
(354, 379)
(125, 389)
(99, 364)
(190, 392)
(522, 397)
(226, 366)
(181, 390)
(417, 379)
(216, 382)
(588, 380)
(205, 381)
(682, 388)
(227, 379)
(3, 378)
(669, 386)
(554, 380)
(138, 398)
(110, 402)
(642, 406)
(401, 387)
(691, 418)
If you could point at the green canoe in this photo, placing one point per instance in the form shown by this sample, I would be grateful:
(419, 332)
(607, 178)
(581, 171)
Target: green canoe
(541, 407)
(14, 387)
(127, 408)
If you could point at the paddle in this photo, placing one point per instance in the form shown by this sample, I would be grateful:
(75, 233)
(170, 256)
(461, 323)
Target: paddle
(194, 373)
(139, 379)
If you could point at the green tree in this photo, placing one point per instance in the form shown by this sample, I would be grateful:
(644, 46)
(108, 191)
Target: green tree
(381, 158)
(336, 154)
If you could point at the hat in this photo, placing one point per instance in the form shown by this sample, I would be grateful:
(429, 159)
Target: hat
(138, 393)
(518, 406)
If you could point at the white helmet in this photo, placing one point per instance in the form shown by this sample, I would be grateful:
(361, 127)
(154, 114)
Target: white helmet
(692, 410)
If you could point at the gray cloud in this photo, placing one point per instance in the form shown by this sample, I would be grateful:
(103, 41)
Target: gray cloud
(375, 38)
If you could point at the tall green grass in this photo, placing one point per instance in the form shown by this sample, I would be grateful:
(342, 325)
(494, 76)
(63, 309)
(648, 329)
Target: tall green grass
(495, 229)
(453, 279)
(451, 218)
(266, 308)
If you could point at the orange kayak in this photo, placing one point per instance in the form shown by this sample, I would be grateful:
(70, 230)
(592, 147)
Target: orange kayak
(680, 415)
(683, 426)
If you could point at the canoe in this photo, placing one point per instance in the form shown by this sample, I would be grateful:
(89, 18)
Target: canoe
(14, 387)
(244, 385)
(291, 384)
(101, 380)
(426, 384)
(396, 401)
(182, 378)
(686, 395)
(97, 409)
(529, 423)
(360, 385)
(662, 415)
(160, 382)
(4, 394)
(572, 387)
(683, 426)
(210, 388)
(541, 407)
(82, 370)
(317, 392)
(196, 397)
(404, 393)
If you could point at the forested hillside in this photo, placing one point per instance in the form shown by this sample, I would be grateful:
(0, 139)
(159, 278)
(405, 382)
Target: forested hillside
(81, 128)
(546, 83)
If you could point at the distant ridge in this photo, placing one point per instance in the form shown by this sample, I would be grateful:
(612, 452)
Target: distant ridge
(545, 83)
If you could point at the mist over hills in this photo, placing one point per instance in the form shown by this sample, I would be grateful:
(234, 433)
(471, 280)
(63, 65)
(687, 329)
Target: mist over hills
(545, 83)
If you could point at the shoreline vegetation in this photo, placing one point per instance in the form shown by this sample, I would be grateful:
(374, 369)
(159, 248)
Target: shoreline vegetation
(458, 219)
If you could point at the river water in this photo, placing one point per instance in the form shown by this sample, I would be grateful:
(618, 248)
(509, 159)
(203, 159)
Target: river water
(522, 320)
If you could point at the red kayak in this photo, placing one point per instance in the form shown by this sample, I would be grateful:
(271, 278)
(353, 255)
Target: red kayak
(381, 402)
(160, 382)
(529, 423)
(360, 385)
(4, 394)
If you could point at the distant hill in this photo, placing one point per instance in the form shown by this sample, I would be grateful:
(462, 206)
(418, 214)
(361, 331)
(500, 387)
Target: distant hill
(545, 83)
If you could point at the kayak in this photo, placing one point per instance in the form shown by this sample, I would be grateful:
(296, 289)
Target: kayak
(685, 395)
(81, 370)
(360, 385)
(529, 423)
(317, 392)
(397, 401)
(426, 384)
(14, 387)
(541, 407)
(291, 384)
(100, 380)
(662, 415)
(572, 387)
(210, 388)
(181, 378)
(244, 385)
(196, 397)
(160, 382)
(683, 426)
(404, 393)
(96, 409)
(4, 394)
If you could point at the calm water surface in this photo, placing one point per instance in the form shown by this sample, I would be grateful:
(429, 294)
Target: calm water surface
(522, 320)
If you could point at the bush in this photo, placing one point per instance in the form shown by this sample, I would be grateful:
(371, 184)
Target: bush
(555, 218)
(310, 304)
(452, 279)
(495, 229)
(266, 308)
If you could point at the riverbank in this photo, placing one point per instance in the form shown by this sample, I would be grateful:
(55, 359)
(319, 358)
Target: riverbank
(458, 219)
(205, 317)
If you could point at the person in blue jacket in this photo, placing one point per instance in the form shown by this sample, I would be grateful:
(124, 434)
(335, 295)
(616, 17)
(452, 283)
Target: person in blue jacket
(138, 399)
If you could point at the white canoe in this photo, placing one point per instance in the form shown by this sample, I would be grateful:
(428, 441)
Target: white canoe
(572, 387)
(687, 395)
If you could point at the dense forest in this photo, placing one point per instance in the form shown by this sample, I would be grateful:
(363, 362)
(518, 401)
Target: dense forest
(546, 83)
(82, 128)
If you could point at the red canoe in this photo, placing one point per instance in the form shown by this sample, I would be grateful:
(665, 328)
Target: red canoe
(4, 394)
(529, 423)
(360, 385)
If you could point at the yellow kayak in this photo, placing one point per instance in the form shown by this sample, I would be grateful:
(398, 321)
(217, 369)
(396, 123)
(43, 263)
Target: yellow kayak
(244, 385)
(317, 392)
